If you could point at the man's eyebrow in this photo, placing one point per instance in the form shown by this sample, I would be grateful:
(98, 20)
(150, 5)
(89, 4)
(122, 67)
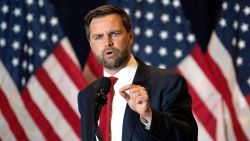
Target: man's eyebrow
(97, 34)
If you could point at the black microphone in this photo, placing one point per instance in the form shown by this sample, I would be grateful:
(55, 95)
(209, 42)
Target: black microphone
(100, 100)
(103, 89)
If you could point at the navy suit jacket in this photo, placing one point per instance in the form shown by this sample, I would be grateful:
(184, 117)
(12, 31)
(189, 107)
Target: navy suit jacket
(172, 118)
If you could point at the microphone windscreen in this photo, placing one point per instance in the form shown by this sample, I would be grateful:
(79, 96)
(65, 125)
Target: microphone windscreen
(104, 84)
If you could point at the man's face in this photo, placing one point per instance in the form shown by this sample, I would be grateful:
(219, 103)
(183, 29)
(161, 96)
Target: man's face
(109, 41)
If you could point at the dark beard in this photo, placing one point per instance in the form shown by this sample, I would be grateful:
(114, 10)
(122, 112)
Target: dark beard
(121, 59)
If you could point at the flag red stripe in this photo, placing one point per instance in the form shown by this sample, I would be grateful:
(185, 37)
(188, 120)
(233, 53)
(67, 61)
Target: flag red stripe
(222, 87)
(248, 99)
(9, 115)
(73, 71)
(39, 118)
(94, 66)
(59, 100)
(204, 64)
(206, 118)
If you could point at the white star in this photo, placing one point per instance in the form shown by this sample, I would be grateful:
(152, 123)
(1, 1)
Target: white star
(165, 2)
(42, 19)
(163, 51)
(248, 81)
(15, 45)
(148, 33)
(176, 3)
(247, 10)
(239, 61)
(43, 36)
(234, 41)
(222, 22)
(237, 7)
(178, 19)
(149, 16)
(30, 67)
(150, 1)
(5, 9)
(163, 34)
(17, 12)
(242, 44)
(126, 10)
(136, 47)
(23, 81)
(179, 36)
(235, 25)
(29, 2)
(165, 18)
(244, 27)
(30, 34)
(2, 42)
(16, 28)
(41, 3)
(29, 17)
(137, 14)
(148, 49)
(15, 62)
(53, 21)
(162, 66)
(25, 48)
(3, 25)
(224, 5)
(191, 38)
(54, 38)
(42, 53)
(178, 53)
(148, 63)
(137, 30)
(24, 64)
(30, 51)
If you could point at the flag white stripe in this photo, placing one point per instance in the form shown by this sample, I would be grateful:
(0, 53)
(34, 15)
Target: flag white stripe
(203, 135)
(17, 105)
(207, 92)
(221, 57)
(228, 125)
(65, 84)
(68, 48)
(5, 132)
(50, 111)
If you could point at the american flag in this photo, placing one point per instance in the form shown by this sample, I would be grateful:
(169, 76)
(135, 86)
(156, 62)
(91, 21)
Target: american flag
(163, 39)
(40, 75)
(228, 53)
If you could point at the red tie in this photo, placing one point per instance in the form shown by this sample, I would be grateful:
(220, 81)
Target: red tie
(105, 116)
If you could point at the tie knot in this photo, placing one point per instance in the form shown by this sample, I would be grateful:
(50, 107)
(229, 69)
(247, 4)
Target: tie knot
(113, 80)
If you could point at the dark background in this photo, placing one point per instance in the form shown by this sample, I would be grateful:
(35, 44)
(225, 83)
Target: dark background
(202, 15)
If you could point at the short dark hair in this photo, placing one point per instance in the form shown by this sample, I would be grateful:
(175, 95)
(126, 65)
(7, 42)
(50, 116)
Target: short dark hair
(105, 10)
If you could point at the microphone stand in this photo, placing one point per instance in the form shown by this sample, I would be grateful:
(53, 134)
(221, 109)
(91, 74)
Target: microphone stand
(101, 99)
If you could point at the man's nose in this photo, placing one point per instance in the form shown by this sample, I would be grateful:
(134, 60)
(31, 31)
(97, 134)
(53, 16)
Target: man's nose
(109, 41)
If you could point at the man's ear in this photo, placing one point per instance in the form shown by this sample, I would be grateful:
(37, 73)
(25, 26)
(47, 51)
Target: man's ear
(131, 38)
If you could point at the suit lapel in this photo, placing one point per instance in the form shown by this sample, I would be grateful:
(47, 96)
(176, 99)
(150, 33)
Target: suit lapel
(131, 117)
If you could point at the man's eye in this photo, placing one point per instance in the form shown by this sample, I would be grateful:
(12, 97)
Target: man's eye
(98, 37)
(113, 34)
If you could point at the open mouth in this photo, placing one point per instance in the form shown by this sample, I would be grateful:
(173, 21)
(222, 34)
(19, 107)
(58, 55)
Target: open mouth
(109, 53)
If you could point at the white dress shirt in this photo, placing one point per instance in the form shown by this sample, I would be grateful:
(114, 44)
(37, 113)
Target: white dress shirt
(125, 76)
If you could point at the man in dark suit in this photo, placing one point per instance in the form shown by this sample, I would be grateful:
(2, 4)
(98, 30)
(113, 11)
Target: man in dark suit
(149, 104)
